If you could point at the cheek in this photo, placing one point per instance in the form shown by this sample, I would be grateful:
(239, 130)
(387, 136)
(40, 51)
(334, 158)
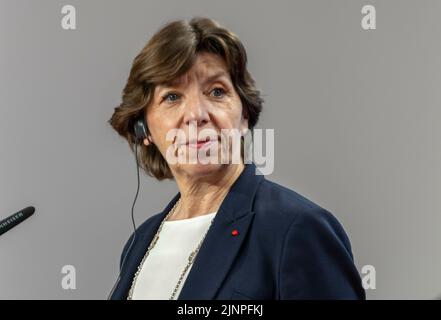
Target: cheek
(228, 117)
(159, 127)
(235, 118)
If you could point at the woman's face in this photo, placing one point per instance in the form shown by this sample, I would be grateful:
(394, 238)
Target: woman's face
(202, 99)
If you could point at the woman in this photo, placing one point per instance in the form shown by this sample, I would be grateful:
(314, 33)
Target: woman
(229, 233)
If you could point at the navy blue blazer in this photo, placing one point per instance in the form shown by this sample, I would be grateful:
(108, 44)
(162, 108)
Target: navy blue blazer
(287, 248)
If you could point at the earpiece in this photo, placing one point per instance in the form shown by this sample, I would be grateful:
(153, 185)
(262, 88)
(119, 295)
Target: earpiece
(140, 129)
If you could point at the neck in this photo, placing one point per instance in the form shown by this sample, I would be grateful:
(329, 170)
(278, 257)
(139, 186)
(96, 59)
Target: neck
(203, 195)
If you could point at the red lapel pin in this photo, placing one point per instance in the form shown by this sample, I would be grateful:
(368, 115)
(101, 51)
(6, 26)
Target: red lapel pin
(235, 232)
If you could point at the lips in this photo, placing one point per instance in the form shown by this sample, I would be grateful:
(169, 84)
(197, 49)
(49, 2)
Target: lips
(200, 142)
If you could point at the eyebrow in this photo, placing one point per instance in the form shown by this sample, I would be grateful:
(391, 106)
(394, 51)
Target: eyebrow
(211, 78)
(216, 76)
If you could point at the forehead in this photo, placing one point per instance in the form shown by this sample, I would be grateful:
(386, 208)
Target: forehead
(207, 67)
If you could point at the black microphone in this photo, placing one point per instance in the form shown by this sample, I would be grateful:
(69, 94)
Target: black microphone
(13, 220)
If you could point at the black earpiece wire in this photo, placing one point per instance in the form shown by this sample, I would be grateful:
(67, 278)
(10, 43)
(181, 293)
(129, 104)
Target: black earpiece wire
(133, 222)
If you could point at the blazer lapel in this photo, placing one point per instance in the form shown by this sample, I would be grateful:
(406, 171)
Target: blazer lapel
(220, 246)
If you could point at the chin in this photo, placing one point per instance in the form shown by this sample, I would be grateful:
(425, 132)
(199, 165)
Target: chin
(199, 169)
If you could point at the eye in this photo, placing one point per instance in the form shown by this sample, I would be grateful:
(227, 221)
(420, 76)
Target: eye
(170, 97)
(218, 92)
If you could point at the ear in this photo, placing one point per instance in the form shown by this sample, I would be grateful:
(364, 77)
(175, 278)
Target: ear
(147, 141)
(244, 126)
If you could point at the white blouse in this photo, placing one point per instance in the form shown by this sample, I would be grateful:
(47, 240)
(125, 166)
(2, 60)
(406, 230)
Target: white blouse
(167, 260)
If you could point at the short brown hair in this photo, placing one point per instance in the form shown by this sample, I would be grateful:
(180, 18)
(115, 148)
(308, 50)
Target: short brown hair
(169, 54)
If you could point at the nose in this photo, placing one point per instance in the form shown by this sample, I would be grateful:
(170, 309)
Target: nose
(196, 111)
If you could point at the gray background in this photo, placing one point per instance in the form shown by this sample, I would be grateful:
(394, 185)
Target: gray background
(355, 115)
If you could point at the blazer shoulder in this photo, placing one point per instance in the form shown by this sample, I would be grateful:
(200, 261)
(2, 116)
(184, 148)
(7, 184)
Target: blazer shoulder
(281, 200)
(279, 203)
(315, 260)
